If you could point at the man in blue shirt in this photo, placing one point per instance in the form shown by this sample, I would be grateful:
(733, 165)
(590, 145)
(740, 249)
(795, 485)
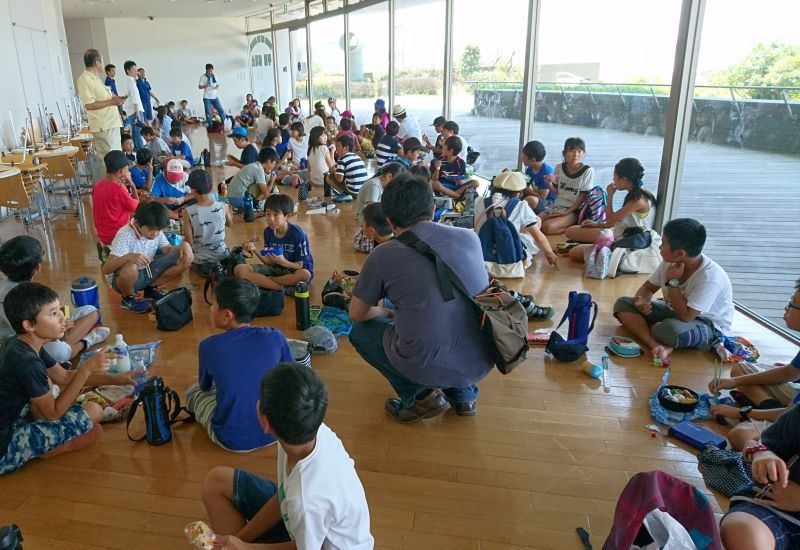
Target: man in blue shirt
(225, 397)
(145, 92)
(111, 72)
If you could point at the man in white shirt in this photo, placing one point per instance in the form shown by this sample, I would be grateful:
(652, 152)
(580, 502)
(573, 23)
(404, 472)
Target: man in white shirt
(210, 86)
(409, 127)
(318, 501)
(698, 298)
(101, 105)
(126, 86)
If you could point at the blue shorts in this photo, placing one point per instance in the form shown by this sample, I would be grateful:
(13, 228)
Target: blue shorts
(159, 265)
(31, 440)
(250, 494)
(787, 534)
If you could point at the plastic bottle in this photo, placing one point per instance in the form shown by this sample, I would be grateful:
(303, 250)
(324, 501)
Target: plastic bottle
(595, 371)
(121, 352)
(139, 374)
(301, 306)
(606, 375)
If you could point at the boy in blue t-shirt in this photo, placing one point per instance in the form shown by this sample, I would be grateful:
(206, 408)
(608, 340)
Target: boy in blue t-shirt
(275, 271)
(179, 148)
(449, 175)
(142, 171)
(540, 194)
(225, 397)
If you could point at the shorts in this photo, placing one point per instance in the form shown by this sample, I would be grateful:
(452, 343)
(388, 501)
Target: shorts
(786, 533)
(33, 439)
(250, 494)
(699, 333)
(159, 265)
(782, 393)
(269, 270)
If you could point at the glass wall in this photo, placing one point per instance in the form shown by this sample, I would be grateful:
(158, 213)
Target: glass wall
(419, 58)
(299, 50)
(744, 147)
(369, 60)
(327, 59)
(262, 70)
(488, 69)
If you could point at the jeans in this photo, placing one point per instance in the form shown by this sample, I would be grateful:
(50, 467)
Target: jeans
(136, 130)
(207, 104)
(367, 339)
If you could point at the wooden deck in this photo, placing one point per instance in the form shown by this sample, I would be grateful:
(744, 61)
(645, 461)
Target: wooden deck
(749, 228)
(548, 452)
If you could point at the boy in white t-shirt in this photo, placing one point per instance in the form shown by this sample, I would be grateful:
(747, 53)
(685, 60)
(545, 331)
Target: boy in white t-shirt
(508, 186)
(318, 501)
(698, 298)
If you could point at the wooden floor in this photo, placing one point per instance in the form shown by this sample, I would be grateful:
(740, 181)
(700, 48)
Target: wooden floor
(548, 452)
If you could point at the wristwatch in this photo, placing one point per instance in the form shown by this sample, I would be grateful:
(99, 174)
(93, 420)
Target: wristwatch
(744, 413)
(674, 283)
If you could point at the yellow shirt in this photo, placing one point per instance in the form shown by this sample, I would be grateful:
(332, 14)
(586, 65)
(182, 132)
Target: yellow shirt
(90, 89)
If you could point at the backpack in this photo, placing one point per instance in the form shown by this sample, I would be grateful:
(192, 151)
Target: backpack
(581, 323)
(598, 261)
(502, 318)
(594, 207)
(503, 251)
(161, 405)
(214, 270)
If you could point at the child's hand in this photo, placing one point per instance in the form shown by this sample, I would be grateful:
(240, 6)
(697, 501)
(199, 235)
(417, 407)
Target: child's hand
(724, 384)
(249, 246)
(123, 379)
(229, 542)
(99, 362)
(611, 189)
(549, 179)
(136, 258)
(278, 260)
(674, 271)
(725, 410)
(589, 223)
(642, 306)
(552, 258)
(768, 467)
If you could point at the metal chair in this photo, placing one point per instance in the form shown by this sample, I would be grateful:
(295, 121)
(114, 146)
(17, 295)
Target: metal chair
(16, 194)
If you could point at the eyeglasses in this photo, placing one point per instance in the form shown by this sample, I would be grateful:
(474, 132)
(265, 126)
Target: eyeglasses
(790, 305)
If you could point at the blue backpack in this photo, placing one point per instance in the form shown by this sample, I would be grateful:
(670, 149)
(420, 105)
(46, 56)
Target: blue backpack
(503, 251)
(581, 323)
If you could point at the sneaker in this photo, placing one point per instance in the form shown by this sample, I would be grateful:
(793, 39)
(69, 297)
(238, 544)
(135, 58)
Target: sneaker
(154, 293)
(99, 334)
(523, 299)
(538, 313)
(429, 406)
(131, 303)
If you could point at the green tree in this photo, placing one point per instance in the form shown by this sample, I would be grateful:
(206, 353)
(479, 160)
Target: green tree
(470, 60)
(774, 64)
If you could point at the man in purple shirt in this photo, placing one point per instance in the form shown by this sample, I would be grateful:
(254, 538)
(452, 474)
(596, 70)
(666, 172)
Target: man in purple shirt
(430, 350)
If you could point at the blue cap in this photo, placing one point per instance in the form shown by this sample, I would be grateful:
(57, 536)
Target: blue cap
(380, 104)
(238, 132)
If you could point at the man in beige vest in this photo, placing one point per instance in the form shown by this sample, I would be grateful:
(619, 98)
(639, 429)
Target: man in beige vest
(100, 104)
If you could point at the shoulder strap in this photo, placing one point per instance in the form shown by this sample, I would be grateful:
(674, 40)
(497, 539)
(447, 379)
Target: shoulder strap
(447, 279)
(510, 206)
(174, 408)
(131, 413)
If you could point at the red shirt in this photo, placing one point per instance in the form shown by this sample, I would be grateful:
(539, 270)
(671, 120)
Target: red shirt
(112, 207)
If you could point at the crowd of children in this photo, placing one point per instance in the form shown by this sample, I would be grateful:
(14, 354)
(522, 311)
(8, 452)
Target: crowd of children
(267, 398)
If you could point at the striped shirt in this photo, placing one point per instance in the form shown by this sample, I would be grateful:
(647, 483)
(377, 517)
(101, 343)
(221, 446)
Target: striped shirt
(387, 148)
(352, 168)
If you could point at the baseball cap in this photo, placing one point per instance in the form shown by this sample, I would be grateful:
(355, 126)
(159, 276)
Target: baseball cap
(347, 113)
(438, 121)
(238, 132)
(115, 161)
(398, 110)
(331, 99)
(174, 171)
(200, 181)
(510, 181)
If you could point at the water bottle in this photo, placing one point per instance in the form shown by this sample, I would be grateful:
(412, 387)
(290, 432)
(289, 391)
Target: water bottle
(248, 209)
(121, 353)
(301, 307)
(10, 537)
(139, 374)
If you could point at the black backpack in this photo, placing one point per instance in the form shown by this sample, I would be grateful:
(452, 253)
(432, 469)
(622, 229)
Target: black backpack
(161, 405)
(214, 270)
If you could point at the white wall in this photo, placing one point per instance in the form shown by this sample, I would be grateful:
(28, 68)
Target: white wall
(30, 17)
(174, 53)
(83, 34)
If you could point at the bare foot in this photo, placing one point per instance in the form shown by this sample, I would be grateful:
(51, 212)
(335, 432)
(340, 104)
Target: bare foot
(77, 443)
(661, 351)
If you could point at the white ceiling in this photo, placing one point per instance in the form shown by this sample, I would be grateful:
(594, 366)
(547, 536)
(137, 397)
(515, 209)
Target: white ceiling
(79, 9)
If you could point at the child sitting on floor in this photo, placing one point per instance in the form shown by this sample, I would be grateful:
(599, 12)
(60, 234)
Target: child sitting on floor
(698, 299)
(204, 222)
(157, 146)
(449, 177)
(226, 394)
(573, 180)
(295, 265)
(128, 148)
(114, 198)
(351, 173)
(241, 141)
(318, 500)
(409, 153)
(638, 209)
(320, 159)
(298, 143)
(253, 179)
(33, 422)
(142, 259)
(388, 146)
(142, 171)
(20, 259)
(539, 194)
(376, 225)
(169, 188)
(508, 186)
(178, 147)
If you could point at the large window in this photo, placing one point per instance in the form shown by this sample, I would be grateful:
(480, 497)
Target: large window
(369, 59)
(327, 59)
(297, 37)
(742, 170)
(488, 69)
(419, 58)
